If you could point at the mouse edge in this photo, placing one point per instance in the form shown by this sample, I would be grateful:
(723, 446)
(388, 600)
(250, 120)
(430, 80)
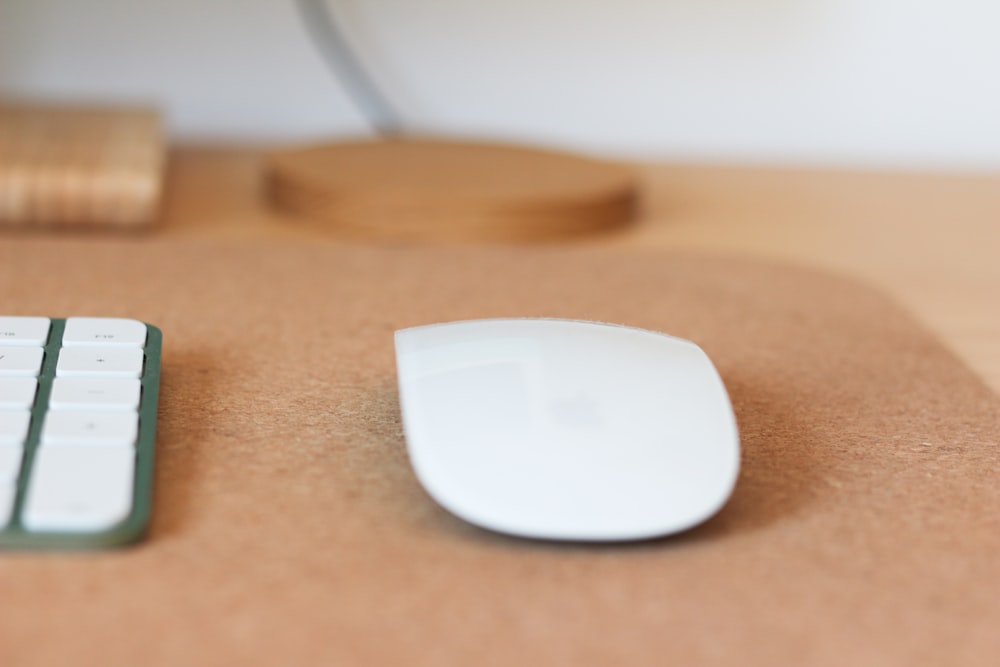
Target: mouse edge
(562, 320)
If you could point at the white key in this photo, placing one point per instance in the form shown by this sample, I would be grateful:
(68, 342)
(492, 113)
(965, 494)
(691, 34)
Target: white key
(24, 331)
(109, 331)
(97, 361)
(21, 360)
(77, 489)
(94, 394)
(7, 494)
(80, 427)
(14, 427)
(17, 393)
(10, 464)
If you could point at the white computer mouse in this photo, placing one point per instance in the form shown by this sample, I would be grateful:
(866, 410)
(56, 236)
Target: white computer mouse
(566, 430)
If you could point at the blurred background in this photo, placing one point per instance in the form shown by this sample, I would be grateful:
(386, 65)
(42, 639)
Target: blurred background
(858, 83)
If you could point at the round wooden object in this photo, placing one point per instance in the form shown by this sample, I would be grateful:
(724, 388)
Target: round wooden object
(432, 190)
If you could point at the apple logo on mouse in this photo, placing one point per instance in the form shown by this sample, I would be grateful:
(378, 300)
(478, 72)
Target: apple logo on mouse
(579, 412)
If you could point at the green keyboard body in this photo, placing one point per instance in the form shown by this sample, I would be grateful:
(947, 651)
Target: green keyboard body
(78, 405)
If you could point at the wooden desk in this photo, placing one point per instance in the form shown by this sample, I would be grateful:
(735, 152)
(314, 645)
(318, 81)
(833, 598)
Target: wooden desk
(928, 240)
(289, 526)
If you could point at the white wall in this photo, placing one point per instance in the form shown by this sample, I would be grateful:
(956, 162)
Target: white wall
(912, 83)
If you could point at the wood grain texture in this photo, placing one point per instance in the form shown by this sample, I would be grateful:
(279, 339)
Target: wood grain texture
(288, 527)
(79, 166)
(446, 191)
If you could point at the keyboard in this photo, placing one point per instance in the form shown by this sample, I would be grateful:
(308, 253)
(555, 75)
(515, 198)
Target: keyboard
(78, 403)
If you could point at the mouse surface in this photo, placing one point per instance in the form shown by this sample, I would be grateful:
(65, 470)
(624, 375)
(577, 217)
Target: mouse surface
(566, 430)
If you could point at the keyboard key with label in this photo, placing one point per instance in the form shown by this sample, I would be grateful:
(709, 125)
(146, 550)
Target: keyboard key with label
(76, 393)
(24, 331)
(79, 488)
(107, 331)
(21, 360)
(86, 427)
(123, 362)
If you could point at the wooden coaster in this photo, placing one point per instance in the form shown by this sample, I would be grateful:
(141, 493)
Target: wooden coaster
(434, 190)
(79, 166)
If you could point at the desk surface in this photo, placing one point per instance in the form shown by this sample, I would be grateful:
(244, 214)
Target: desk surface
(289, 528)
(928, 240)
